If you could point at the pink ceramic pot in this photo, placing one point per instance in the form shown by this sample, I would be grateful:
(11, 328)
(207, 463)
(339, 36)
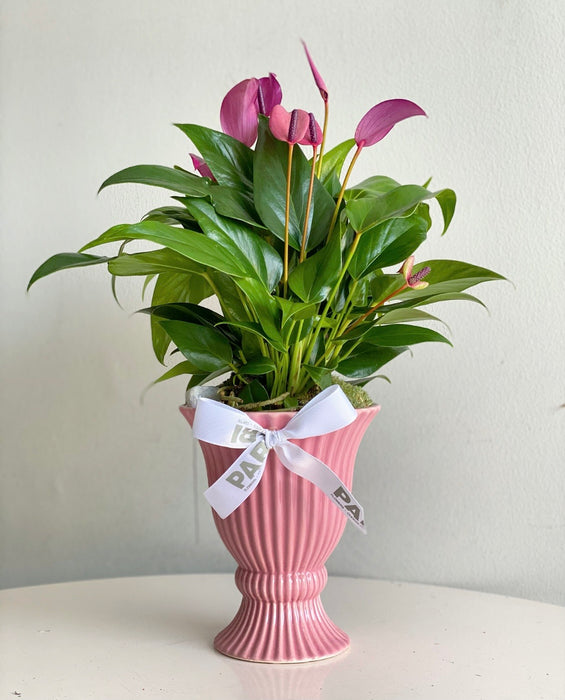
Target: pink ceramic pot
(281, 537)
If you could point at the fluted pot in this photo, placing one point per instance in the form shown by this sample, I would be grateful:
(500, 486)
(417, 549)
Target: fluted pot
(281, 538)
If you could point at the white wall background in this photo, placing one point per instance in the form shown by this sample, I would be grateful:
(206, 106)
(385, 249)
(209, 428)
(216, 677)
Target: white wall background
(462, 474)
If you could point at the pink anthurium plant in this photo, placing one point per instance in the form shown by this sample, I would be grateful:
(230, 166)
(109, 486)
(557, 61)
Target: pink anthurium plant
(304, 265)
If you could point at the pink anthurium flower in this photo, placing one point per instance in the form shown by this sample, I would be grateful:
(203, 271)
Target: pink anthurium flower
(414, 281)
(289, 126)
(269, 94)
(380, 119)
(313, 135)
(320, 84)
(238, 113)
(201, 166)
(243, 104)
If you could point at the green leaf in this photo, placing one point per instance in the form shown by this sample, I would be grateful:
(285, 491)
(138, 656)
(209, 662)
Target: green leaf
(184, 367)
(313, 279)
(173, 287)
(405, 315)
(257, 258)
(372, 186)
(365, 213)
(257, 329)
(447, 201)
(171, 215)
(192, 313)
(254, 392)
(295, 310)
(230, 161)
(258, 366)
(332, 165)
(270, 173)
(432, 299)
(161, 176)
(322, 376)
(65, 261)
(367, 360)
(195, 246)
(402, 334)
(205, 347)
(265, 308)
(234, 204)
(153, 262)
(389, 243)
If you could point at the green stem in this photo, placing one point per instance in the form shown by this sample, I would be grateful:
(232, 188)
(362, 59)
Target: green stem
(308, 203)
(331, 297)
(287, 220)
(324, 131)
(342, 191)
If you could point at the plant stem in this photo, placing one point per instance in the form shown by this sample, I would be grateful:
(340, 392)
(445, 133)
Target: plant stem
(324, 131)
(308, 203)
(286, 220)
(331, 297)
(266, 402)
(374, 308)
(342, 191)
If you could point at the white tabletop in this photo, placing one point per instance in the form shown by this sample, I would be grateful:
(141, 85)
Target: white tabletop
(151, 637)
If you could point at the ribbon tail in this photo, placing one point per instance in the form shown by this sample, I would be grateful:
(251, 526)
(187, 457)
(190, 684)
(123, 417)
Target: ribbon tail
(296, 460)
(229, 491)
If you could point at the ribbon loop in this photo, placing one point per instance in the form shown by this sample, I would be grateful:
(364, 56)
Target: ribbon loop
(216, 423)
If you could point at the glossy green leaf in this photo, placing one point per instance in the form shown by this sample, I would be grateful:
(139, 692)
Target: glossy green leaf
(400, 334)
(265, 308)
(367, 212)
(161, 176)
(322, 376)
(65, 261)
(171, 215)
(254, 392)
(257, 258)
(258, 366)
(406, 315)
(270, 173)
(178, 288)
(447, 201)
(313, 279)
(367, 360)
(372, 186)
(230, 161)
(205, 347)
(389, 243)
(153, 262)
(432, 299)
(194, 246)
(332, 165)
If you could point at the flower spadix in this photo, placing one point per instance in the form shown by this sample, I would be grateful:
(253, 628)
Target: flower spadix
(289, 126)
(380, 119)
(416, 280)
(313, 136)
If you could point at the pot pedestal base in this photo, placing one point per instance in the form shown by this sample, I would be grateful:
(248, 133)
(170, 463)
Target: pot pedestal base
(281, 619)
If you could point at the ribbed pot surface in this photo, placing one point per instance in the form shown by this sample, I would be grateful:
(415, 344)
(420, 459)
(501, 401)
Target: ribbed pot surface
(281, 537)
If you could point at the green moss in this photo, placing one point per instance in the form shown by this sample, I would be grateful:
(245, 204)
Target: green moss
(356, 394)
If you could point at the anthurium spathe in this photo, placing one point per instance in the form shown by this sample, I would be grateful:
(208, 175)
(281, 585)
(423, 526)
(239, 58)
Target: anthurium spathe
(244, 102)
(380, 119)
(320, 83)
(200, 165)
(289, 126)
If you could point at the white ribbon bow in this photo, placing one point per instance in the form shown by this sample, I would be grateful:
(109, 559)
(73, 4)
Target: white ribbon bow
(219, 424)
